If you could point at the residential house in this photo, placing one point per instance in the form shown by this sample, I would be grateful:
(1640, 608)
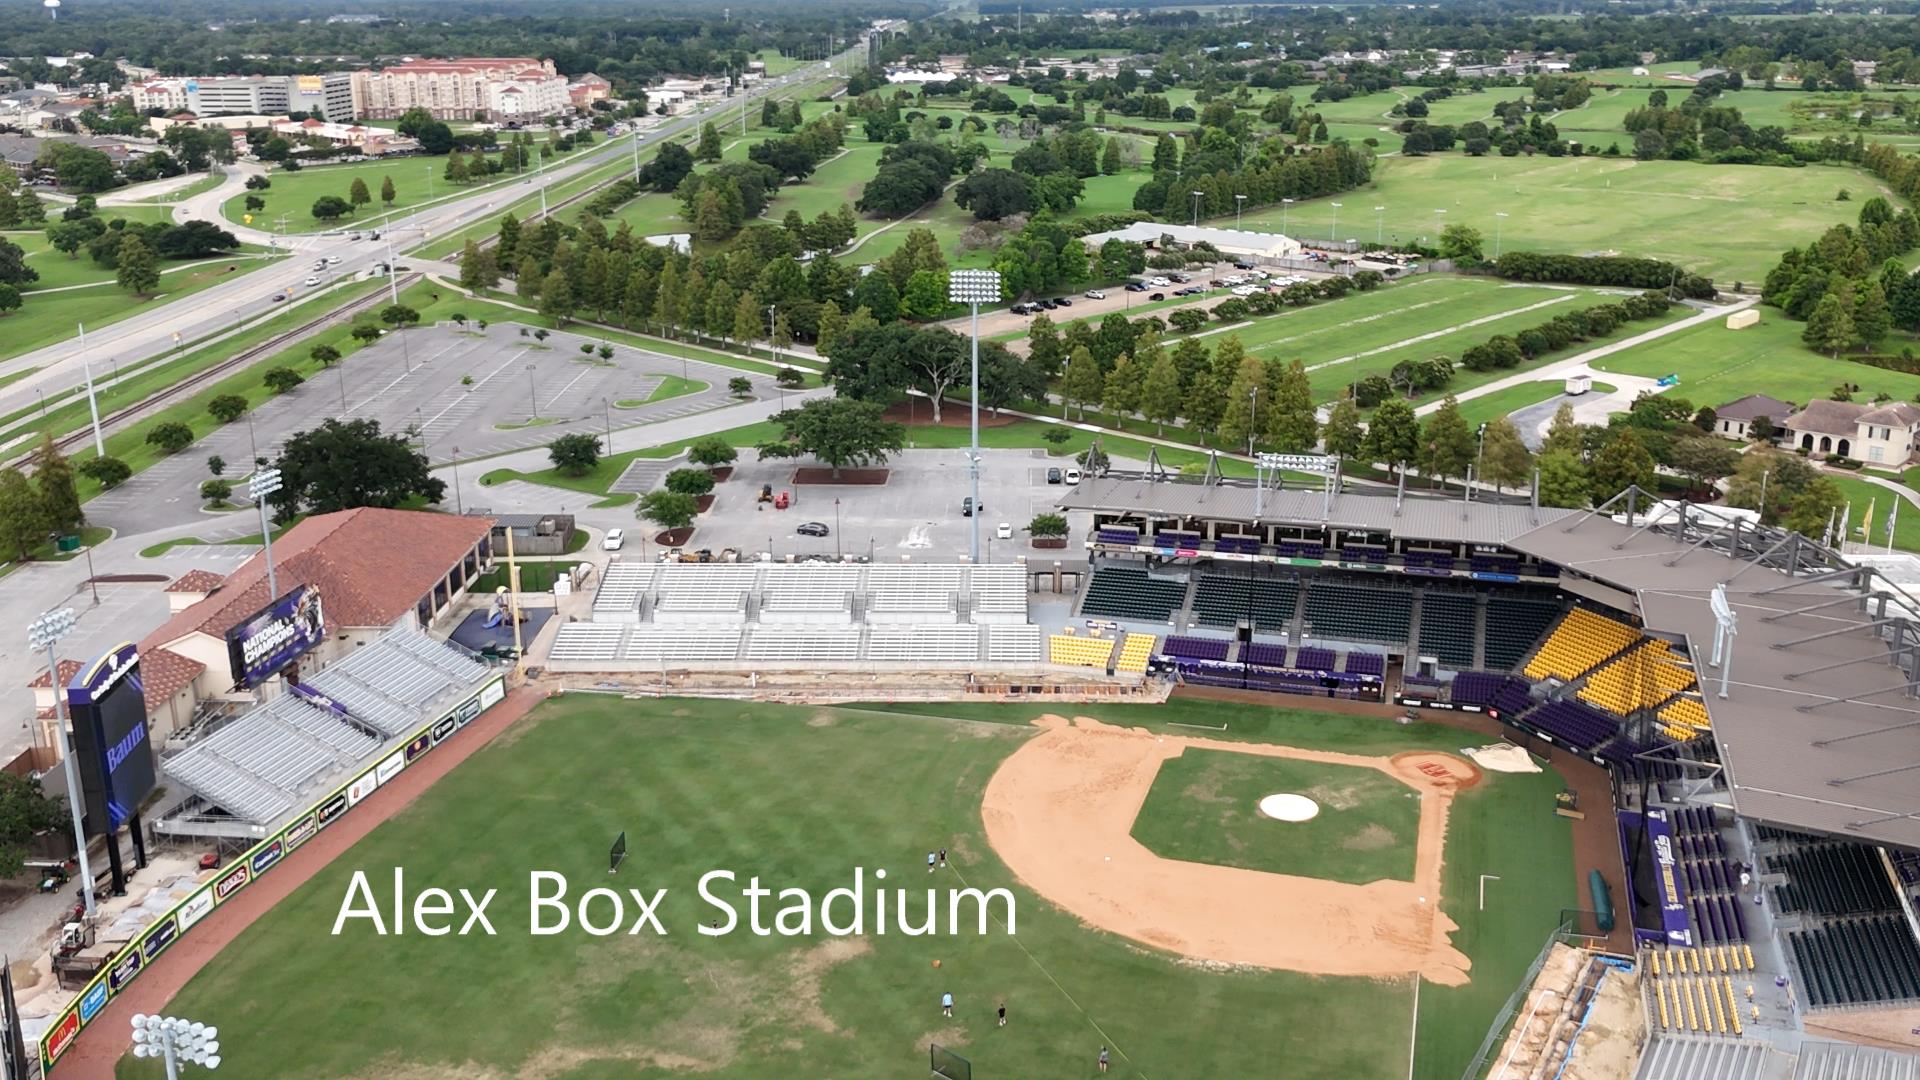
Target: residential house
(1735, 416)
(1881, 434)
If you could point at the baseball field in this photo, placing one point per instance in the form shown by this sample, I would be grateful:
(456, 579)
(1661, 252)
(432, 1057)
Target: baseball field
(1160, 913)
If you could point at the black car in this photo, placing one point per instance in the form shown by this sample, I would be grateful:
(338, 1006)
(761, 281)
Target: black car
(1062, 302)
(1179, 278)
(1053, 476)
(966, 507)
(1134, 286)
(1021, 309)
(1158, 296)
(812, 528)
(1243, 266)
(1046, 305)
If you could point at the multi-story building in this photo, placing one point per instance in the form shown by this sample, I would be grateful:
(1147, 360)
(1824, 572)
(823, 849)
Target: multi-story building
(329, 97)
(478, 88)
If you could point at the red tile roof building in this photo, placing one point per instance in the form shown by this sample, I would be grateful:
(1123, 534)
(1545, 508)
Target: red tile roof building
(475, 88)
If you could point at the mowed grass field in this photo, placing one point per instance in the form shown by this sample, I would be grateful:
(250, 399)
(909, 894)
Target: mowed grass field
(1204, 807)
(1717, 365)
(800, 796)
(1727, 221)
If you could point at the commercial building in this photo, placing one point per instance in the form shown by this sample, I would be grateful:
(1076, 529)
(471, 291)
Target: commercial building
(329, 97)
(1233, 243)
(481, 88)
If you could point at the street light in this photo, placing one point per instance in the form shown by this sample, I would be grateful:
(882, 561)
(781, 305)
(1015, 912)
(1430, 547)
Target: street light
(176, 1040)
(533, 394)
(43, 634)
(1379, 224)
(1196, 208)
(1333, 228)
(261, 484)
(457, 508)
(606, 410)
(1239, 204)
(973, 288)
(836, 528)
(1284, 203)
(1498, 216)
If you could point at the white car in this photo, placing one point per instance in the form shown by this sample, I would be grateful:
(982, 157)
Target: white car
(1257, 275)
(1073, 476)
(1159, 282)
(1233, 279)
(613, 541)
(333, 258)
(312, 280)
(1004, 531)
(1096, 294)
(1245, 290)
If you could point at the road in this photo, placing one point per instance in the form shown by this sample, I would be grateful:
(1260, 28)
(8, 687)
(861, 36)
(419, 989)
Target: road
(157, 329)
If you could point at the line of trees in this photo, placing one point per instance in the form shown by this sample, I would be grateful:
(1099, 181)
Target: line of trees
(1851, 287)
(1616, 271)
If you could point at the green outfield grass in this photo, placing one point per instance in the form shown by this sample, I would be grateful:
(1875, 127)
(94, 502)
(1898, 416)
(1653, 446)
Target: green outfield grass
(701, 785)
(1717, 365)
(1728, 221)
(1204, 807)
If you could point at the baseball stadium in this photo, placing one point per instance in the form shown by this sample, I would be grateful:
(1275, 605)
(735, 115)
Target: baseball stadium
(1283, 777)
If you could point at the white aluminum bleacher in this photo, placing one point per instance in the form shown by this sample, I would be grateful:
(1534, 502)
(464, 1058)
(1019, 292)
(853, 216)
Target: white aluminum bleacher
(809, 593)
(406, 670)
(803, 643)
(912, 593)
(683, 643)
(588, 641)
(703, 592)
(938, 643)
(621, 587)
(1008, 643)
(999, 594)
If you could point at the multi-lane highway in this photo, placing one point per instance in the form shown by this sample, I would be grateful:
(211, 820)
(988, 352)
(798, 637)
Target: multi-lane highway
(164, 326)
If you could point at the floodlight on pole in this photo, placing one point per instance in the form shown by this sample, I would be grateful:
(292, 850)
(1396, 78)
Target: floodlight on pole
(973, 288)
(174, 1041)
(1239, 204)
(1379, 224)
(1333, 227)
(1284, 203)
(1196, 208)
(261, 484)
(43, 634)
(1498, 216)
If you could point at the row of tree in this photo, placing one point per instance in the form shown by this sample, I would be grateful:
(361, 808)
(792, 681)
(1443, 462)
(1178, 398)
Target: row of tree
(1850, 286)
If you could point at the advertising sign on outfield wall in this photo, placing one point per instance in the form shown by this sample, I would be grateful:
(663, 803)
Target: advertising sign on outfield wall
(243, 871)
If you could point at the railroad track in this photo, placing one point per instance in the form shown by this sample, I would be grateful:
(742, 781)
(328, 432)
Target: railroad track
(83, 435)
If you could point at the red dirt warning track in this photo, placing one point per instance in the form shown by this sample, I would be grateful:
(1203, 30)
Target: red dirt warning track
(106, 1040)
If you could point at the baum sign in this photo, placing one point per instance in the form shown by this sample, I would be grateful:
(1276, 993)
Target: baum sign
(108, 708)
(275, 636)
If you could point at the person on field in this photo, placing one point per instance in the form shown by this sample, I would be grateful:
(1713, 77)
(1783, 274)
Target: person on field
(946, 1004)
(929, 862)
(1103, 1059)
(1003, 1014)
(943, 858)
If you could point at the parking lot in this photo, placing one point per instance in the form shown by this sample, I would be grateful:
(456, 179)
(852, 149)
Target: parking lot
(915, 515)
(1003, 321)
(468, 393)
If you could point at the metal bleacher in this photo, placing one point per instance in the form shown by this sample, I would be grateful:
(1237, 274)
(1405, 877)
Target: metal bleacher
(587, 641)
(946, 642)
(1009, 644)
(810, 643)
(264, 763)
(683, 643)
(620, 589)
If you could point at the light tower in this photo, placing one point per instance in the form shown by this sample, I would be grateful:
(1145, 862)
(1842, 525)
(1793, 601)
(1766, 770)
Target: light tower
(53, 8)
(973, 288)
(175, 1040)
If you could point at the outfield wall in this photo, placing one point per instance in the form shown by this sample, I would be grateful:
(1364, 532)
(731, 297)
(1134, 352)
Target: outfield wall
(141, 952)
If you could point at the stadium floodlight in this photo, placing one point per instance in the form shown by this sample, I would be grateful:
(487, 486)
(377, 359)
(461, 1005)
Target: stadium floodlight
(1498, 217)
(1197, 196)
(260, 485)
(43, 634)
(973, 288)
(1333, 227)
(174, 1040)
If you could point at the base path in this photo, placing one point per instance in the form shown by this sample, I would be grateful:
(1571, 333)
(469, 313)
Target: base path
(107, 1038)
(1060, 813)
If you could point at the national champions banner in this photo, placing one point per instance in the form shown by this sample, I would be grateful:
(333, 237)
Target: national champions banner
(246, 868)
(275, 636)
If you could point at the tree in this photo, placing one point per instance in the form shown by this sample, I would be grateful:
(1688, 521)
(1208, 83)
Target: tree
(23, 524)
(574, 455)
(108, 472)
(1702, 458)
(330, 208)
(925, 298)
(9, 299)
(170, 437)
(1110, 163)
(557, 301)
(399, 315)
(747, 325)
(1240, 414)
(1292, 422)
(1083, 383)
(365, 333)
(387, 193)
(1813, 507)
(711, 451)
(1160, 398)
(709, 148)
(1462, 244)
(1121, 393)
(831, 330)
(138, 271)
(1830, 327)
(993, 194)
(1393, 435)
(1563, 433)
(343, 464)
(1871, 317)
(282, 380)
(227, 408)
(478, 269)
(695, 482)
(323, 354)
(25, 811)
(837, 431)
(1446, 443)
(216, 464)
(216, 491)
(1344, 435)
(669, 509)
(358, 195)
(1504, 458)
(1563, 480)
(1621, 463)
(1045, 526)
(54, 487)
(739, 386)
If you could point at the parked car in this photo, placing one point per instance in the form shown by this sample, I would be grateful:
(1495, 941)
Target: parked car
(1047, 305)
(1096, 294)
(1158, 296)
(1180, 279)
(1134, 286)
(812, 528)
(966, 507)
(1073, 475)
(1003, 531)
(1242, 264)
(1191, 290)
(353, 236)
(1061, 301)
(1233, 279)
(1159, 282)
(613, 540)
(1021, 309)
(1053, 476)
(1246, 290)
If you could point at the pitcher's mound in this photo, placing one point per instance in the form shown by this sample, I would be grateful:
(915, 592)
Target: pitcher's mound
(1289, 807)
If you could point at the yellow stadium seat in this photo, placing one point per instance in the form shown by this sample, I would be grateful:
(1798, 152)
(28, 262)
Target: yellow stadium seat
(1644, 677)
(1581, 642)
(1135, 653)
(1079, 651)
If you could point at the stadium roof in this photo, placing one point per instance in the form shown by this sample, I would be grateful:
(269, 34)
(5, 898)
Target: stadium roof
(1816, 732)
(1424, 517)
